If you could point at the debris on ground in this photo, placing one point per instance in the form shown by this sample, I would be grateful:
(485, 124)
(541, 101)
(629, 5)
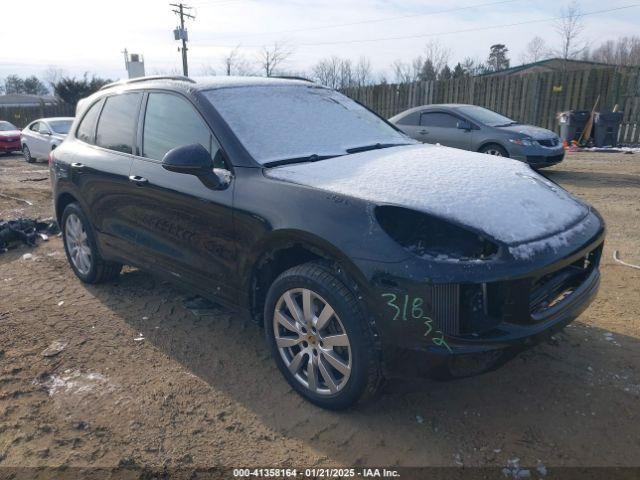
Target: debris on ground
(139, 338)
(16, 199)
(419, 419)
(457, 460)
(54, 349)
(541, 469)
(25, 230)
(513, 469)
(200, 306)
(616, 257)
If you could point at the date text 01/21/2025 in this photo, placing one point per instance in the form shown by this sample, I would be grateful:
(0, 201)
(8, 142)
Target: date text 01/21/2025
(406, 308)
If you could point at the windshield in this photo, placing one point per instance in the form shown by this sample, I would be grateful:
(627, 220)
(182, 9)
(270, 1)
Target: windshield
(60, 126)
(486, 116)
(6, 126)
(282, 122)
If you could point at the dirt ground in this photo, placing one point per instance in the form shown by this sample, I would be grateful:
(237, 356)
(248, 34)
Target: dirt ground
(144, 381)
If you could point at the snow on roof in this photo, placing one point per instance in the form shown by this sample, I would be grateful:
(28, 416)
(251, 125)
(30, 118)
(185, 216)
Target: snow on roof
(205, 83)
(501, 197)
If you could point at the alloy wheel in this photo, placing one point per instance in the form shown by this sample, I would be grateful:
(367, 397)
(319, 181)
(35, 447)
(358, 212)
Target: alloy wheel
(77, 242)
(27, 154)
(493, 151)
(312, 341)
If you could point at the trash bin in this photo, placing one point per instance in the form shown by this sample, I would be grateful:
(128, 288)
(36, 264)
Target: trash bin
(572, 124)
(606, 126)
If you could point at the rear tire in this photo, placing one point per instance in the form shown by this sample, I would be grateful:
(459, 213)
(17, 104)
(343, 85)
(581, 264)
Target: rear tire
(325, 349)
(27, 154)
(494, 149)
(80, 247)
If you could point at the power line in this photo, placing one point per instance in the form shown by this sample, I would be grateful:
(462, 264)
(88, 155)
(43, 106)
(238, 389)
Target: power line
(181, 33)
(376, 20)
(451, 32)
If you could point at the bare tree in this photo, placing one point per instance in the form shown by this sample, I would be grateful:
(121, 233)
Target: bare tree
(407, 72)
(362, 72)
(235, 63)
(273, 57)
(326, 71)
(570, 27)
(624, 51)
(437, 54)
(535, 51)
(52, 75)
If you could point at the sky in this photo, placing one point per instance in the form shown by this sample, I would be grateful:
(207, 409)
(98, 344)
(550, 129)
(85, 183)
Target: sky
(89, 36)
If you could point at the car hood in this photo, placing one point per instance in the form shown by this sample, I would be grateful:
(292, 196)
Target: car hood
(500, 197)
(10, 133)
(536, 133)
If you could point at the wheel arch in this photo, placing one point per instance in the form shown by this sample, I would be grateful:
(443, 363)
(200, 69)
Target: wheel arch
(286, 249)
(492, 142)
(64, 199)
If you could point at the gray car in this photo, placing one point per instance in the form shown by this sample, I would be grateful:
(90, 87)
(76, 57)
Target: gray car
(43, 135)
(478, 129)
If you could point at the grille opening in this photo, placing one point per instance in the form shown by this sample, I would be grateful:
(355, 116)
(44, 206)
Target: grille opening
(555, 287)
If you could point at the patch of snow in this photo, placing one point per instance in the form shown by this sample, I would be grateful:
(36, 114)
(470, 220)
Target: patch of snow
(501, 197)
(289, 121)
(75, 383)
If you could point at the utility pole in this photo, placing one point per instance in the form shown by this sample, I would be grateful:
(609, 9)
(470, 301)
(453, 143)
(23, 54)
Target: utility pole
(180, 33)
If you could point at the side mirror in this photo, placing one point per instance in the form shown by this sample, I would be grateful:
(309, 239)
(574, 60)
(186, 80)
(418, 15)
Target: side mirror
(194, 160)
(464, 125)
(44, 132)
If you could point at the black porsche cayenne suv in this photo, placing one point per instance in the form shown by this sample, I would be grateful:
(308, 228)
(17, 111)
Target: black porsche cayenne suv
(364, 254)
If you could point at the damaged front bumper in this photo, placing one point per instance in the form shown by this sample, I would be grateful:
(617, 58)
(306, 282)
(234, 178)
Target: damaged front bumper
(471, 318)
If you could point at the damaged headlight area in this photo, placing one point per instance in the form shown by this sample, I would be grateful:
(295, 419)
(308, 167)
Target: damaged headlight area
(431, 237)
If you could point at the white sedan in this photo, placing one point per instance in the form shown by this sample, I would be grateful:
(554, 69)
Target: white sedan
(43, 135)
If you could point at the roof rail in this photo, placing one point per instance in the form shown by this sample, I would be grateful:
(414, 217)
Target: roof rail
(292, 77)
(148, 79)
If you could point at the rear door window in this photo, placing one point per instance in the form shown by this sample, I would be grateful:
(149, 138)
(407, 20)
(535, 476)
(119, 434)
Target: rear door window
(87, 128)
(116, 126)
(171, 121)
(438, 119)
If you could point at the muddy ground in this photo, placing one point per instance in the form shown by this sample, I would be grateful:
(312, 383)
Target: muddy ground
(142, 380)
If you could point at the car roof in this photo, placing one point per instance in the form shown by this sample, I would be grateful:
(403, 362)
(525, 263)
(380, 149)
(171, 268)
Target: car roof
(205, 82)
(435, 106)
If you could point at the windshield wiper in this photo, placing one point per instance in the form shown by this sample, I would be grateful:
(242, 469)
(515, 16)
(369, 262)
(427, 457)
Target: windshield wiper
(375, 146)
(507, 124)
(288, 161)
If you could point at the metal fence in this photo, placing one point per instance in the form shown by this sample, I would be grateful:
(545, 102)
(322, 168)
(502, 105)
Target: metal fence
(21, 116)
(534, 98)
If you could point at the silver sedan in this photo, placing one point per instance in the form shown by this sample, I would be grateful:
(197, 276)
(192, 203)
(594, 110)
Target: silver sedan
(478, 129)
(43, 135)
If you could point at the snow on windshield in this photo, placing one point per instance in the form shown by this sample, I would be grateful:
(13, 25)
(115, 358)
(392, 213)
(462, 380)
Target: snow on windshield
(281, 122)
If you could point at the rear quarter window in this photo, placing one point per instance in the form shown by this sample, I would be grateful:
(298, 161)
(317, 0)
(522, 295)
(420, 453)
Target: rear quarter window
(117, 122)
(87, 128)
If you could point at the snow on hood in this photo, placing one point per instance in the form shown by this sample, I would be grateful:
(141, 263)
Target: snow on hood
(536, 133)
(503, 198)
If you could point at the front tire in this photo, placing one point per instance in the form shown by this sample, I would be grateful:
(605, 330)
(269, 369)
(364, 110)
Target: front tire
(80, 247)
(494, 149)
(27, 154)
(320, 339)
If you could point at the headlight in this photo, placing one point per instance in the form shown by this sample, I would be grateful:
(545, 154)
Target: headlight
(428, 236)
(522, 141)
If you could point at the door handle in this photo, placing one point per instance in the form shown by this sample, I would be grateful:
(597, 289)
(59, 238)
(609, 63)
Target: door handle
(423, 132)
(77, 165)
(138, 180)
